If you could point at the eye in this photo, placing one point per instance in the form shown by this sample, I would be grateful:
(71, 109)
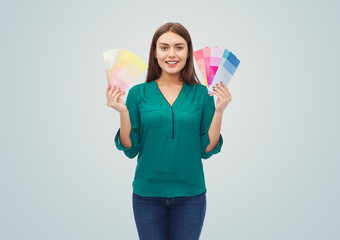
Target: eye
(163, 48)
(180, 47)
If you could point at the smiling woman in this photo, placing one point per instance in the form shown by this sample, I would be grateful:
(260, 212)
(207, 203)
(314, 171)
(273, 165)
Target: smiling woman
(180, 49)
(171, 53)
(172, 42)
(170, 122)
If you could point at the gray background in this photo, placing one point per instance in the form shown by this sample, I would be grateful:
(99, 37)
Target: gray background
(277, 176)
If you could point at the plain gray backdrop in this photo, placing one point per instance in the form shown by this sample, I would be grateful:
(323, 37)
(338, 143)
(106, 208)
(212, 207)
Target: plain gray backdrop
(277, 175)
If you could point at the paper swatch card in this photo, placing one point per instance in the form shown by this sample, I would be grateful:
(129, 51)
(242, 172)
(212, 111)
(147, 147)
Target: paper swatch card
(122, 67)
(216, 65)
(199, 56)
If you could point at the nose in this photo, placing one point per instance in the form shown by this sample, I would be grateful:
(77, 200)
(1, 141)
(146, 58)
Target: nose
(172, 52)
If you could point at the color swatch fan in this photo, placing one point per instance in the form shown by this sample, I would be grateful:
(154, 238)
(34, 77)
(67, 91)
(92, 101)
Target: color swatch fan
(122, 67)
(216, 65)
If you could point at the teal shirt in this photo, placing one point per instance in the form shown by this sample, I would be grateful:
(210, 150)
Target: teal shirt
(170, 141)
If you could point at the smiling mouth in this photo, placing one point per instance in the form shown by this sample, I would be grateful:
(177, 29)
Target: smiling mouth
(172, 63)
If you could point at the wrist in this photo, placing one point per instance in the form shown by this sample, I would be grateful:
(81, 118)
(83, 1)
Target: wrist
(124, 112)
(219, 112)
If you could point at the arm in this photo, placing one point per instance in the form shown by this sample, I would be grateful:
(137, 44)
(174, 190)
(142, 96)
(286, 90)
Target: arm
(214, 131)
(127, 138)
(125, 129)
(224, 98)
(211, 138)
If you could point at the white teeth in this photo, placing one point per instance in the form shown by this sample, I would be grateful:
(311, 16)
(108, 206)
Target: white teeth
(171, 62)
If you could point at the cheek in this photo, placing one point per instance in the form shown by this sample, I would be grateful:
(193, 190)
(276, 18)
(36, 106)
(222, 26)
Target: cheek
(161, 55)
(184, 58)
(183, 55)
(160, 60)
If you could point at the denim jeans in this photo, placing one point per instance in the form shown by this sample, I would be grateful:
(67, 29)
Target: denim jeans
(176, 218)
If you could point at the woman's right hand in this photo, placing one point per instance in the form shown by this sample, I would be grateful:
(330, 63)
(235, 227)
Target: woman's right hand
(114, 100)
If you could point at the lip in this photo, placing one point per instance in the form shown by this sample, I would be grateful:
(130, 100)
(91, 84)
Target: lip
(171, 65)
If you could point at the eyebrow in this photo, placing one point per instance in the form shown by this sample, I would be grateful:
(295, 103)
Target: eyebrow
(175, 44)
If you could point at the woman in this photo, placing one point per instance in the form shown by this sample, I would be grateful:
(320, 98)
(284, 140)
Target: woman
(171, 123)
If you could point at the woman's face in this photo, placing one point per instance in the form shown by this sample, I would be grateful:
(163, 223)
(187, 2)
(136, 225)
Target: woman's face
(171, 52)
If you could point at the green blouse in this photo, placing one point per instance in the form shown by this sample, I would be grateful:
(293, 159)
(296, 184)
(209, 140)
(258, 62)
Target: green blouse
(170, 140)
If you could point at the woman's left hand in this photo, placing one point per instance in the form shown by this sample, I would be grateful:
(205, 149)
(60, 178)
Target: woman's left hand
(224, 97)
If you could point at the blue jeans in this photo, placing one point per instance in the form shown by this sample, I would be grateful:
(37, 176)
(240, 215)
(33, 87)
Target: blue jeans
(176, 218)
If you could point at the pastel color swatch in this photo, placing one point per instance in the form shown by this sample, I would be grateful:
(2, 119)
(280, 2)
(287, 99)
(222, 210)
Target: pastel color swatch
(216, 65)
(198, 55)
(122, 67)
(226, 69)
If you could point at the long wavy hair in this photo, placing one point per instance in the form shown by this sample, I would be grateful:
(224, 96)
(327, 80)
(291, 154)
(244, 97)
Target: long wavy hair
(188, 73)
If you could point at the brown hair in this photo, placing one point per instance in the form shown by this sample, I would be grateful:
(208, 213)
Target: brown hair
(188, 73)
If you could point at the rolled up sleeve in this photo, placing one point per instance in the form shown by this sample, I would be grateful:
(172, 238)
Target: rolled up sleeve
(131, 104)
(207, 116)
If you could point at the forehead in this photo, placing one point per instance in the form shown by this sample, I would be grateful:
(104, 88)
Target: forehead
(170, 38)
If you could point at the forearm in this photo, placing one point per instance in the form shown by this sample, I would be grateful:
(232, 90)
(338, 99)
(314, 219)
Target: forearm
(214, 130)
(125, 129)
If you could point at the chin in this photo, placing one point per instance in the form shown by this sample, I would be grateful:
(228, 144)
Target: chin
(173, 71)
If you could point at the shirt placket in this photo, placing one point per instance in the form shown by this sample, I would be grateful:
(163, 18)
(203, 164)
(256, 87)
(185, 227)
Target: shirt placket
(170, 114)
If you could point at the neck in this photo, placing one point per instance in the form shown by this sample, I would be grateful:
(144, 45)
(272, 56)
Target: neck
(170, 79)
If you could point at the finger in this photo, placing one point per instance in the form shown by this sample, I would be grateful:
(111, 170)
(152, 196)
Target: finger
(113, 89)
(108, 89)
(224, 90)
(225, 87)
(111, 93)
(218, 95)
(217, 92)
(116, 94)
(220, 91)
